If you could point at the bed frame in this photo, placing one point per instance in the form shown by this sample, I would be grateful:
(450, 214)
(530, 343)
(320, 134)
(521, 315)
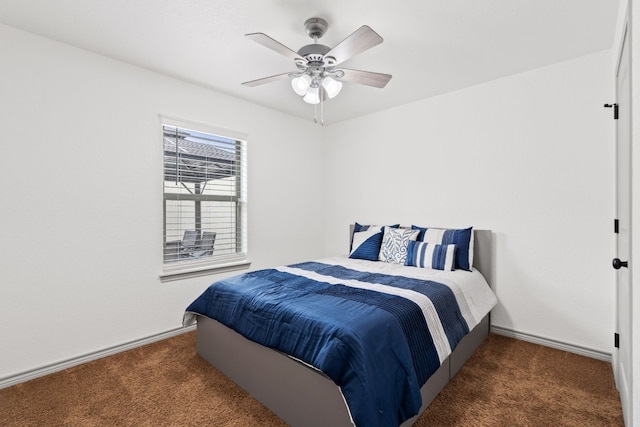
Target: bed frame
(302, 395)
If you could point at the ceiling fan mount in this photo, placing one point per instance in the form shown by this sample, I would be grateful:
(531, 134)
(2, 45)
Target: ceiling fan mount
(316, 27)
(318, 76)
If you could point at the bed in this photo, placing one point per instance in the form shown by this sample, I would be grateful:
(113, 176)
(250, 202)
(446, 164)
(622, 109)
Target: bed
(300, 393)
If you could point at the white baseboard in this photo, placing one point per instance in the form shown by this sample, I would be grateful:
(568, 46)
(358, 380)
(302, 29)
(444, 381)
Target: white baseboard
(547, 342)
(75, 361)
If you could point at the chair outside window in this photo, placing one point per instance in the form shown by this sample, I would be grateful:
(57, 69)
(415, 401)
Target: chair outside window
(189, 242)
(176, 249)
(205, 248)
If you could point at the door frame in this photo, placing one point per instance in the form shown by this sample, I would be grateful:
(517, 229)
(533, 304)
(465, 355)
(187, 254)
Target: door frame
(633, 16)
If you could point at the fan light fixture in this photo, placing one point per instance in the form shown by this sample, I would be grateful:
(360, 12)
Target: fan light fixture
(312, 88)
(301, 84)
(318, 78)
(313, 95)
(333, 87)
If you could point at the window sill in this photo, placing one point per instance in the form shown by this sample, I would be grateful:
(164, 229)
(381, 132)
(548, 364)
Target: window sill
(186, 272)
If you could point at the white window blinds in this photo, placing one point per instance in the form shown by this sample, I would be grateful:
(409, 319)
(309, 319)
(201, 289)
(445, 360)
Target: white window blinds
(204, 204)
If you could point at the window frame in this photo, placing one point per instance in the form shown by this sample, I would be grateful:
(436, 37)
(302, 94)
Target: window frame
(215, 264)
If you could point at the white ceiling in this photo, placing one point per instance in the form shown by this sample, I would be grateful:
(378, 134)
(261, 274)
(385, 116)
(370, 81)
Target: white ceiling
(430, 46)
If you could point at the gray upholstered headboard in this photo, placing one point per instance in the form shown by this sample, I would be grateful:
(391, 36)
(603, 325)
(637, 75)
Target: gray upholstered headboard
(482, 252)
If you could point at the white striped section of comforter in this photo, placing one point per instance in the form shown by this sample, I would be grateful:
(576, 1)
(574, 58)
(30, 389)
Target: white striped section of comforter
(438, 334)
(472, 292)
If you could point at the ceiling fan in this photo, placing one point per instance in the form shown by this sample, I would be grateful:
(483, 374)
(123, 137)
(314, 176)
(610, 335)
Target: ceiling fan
(318, 76)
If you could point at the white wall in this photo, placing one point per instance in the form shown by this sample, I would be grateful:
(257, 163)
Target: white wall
(531, 157)
(81, 226)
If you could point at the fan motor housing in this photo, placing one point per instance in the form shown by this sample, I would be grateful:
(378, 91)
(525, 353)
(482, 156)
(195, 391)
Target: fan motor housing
(314, 53)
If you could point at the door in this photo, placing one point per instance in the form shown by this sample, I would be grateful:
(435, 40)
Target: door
(622, 355)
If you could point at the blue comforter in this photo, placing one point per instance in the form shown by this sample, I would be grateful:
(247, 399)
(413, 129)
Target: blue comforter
(373, 343)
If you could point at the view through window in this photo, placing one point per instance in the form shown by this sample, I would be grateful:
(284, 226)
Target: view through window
(204, 196)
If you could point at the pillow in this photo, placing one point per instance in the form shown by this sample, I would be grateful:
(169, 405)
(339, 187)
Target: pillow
(394, 244)
(359, 227)
(462, 238)
(431, 255)
(366, 243)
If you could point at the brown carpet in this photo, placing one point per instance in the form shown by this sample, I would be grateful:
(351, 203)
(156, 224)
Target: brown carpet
(506, 383)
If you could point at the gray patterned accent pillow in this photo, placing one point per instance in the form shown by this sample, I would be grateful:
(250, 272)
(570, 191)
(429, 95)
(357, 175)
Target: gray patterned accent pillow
(395, 243)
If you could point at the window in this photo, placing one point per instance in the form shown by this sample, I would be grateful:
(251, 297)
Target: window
(204, 203)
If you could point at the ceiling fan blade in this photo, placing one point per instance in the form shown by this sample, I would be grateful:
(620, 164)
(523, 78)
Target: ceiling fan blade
(360, 40)
(272, 44)
(365, 77)
(264, 80)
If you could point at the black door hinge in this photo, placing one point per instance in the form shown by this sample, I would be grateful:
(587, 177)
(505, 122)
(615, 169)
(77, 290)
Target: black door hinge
(616, 226)
(616, 340)
(615, 110)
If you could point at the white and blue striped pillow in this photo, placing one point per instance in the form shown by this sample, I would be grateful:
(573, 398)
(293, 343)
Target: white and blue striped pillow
(431, 255)
(462, 238)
